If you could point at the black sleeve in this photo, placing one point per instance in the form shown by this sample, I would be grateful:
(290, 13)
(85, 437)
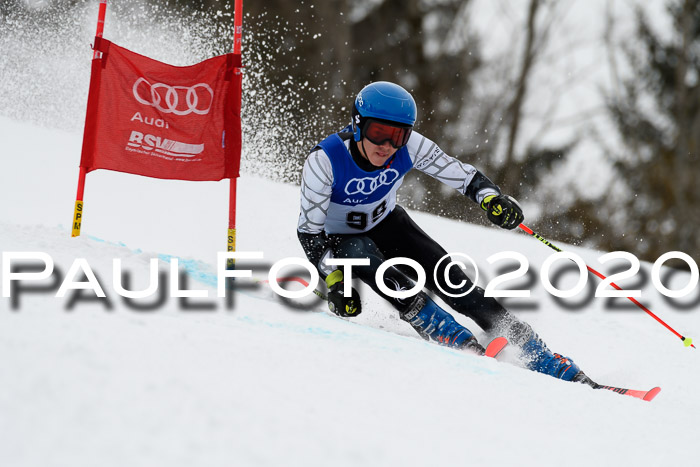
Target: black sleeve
(478, 183)
(315, 247)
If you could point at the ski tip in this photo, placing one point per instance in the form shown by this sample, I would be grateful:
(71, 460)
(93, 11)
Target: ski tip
(651, 394)
(495, 347)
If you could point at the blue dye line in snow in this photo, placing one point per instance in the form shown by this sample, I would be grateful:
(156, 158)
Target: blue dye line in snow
(196, 270)
(137, 251)
(193, 268)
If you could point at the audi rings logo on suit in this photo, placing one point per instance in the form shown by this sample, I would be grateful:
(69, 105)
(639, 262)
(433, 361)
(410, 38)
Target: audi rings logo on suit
(368, 185)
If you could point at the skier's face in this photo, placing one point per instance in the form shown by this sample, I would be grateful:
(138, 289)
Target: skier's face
(377, 154)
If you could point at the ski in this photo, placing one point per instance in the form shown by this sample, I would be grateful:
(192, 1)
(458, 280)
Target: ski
(644, 395)
(495, 346)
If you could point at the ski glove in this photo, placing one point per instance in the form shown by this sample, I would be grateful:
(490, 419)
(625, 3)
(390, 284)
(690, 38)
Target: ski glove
(503, 210)
(339, 304)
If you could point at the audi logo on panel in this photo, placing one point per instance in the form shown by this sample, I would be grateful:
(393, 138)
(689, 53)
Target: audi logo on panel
(178, 100)
(368, 185)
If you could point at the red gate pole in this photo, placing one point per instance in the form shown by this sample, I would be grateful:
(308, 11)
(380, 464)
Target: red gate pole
(78, 212)
(238, 91)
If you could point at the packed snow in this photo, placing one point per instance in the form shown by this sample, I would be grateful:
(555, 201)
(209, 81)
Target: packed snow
(263, 381)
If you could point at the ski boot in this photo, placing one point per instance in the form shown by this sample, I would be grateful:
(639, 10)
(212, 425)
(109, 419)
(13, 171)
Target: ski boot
(432, 322)
(554, 364)
(541, 359)
(557, 365)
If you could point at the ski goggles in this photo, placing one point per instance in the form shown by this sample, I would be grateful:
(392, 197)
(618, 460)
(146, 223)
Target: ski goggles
(379, 133)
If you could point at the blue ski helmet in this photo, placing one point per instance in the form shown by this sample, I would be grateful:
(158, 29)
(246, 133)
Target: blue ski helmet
(384, 101)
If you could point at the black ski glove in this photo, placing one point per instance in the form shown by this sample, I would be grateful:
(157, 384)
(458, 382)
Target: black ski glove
(503, 210)
(338, 304)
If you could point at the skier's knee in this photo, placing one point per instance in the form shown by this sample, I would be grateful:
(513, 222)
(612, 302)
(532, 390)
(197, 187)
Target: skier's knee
(357, 247)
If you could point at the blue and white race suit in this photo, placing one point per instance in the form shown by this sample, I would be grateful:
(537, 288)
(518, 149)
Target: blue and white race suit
(338, 197)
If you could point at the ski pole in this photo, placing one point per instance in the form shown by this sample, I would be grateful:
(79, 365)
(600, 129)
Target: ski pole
(688, 342)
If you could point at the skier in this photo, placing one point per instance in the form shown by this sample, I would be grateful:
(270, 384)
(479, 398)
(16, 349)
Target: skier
(349, 210)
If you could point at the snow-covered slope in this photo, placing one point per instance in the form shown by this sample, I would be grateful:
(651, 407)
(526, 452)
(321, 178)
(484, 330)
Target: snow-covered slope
(83, 382)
